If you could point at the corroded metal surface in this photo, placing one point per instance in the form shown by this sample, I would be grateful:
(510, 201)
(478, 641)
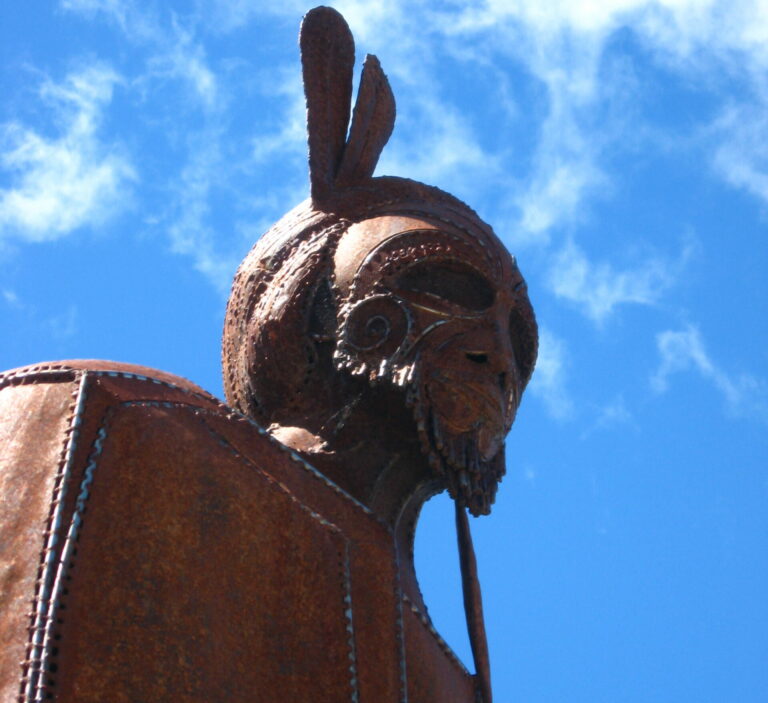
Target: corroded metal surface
(192, 558)
(159, 545)
(35, 424)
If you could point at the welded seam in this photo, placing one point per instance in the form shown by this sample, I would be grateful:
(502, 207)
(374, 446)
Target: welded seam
(425, 620)
(400, 630)
(65, 562)
(33, 683)
(348, 613)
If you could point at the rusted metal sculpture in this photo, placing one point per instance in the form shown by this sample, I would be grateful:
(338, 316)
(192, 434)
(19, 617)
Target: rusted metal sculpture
(158, 545)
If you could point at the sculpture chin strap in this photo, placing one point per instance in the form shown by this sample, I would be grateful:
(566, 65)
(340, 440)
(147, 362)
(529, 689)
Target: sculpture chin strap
(473, 604)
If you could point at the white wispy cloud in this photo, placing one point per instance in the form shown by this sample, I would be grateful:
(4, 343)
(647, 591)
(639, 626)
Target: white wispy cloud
(549, 379)
(189, 227)
(62, 183)
(11, 298)
(598, 288)
(556, 191)
(175, 57)
(561, 47)
(742, 157)
(695, 31)
(138, 21)
(563, 44)
(373, 22)
(174, 52)
(228, 15)
(288, 137)
(186, 60)
(613, 413)
(117, 9)
(610, 415)
(63, 325)
(684, 350)
(440, 148)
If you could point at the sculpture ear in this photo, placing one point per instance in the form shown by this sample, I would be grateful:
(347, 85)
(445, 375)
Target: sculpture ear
(372, 124)
(327, 59)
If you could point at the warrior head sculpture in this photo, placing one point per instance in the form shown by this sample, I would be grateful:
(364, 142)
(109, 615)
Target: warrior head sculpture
(379, 287)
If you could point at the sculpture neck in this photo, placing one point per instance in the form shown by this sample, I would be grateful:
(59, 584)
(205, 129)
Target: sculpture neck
(371, 450)
(382, 465)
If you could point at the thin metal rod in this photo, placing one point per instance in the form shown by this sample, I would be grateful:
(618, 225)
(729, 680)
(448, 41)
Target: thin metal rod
(473, 604)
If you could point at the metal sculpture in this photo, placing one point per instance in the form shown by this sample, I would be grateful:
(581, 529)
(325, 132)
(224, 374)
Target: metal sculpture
(377, 343)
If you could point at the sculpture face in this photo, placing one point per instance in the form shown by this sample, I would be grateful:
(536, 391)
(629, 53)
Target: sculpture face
(438, 308)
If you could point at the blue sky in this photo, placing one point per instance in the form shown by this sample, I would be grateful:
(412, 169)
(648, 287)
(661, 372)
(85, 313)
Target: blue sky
(618, 147)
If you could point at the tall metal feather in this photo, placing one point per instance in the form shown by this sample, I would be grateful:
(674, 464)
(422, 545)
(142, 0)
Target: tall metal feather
(372, 123)
(327, 60)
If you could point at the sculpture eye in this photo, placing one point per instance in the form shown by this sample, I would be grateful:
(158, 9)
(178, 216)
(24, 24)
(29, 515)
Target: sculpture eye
(452, 281)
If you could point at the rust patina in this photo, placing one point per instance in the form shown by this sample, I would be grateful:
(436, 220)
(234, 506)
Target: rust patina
(160, 545)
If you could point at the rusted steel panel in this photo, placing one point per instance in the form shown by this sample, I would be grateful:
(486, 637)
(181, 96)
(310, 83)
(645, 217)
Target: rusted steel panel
(195, 557)
(35, 428)
(434, 672)
(198, 574)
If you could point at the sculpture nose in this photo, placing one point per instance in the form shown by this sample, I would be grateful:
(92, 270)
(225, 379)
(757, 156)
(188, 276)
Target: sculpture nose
(493, 355)
(505, 361)
(482, 357)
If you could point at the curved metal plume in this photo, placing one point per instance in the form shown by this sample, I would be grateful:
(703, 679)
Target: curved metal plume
(327, 59)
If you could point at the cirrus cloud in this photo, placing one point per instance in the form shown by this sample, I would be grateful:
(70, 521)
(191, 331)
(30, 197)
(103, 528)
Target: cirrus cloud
(598, 288)
(72, 180)
(684, 350)
(549, 380)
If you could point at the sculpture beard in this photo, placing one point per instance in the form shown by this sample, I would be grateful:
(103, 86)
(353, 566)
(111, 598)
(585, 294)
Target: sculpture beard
(462, 423)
